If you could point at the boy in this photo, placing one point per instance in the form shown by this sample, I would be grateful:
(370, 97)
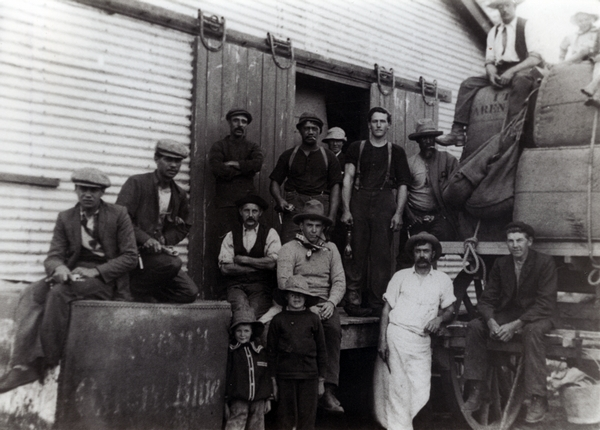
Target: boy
(297, 356)
(248, 391)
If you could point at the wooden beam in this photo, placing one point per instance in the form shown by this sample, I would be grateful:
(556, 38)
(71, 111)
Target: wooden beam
(475, 17)
(308, 60)
(558, 249)
(38, 181)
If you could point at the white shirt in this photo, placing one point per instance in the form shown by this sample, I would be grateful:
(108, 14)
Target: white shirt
(415, 300)
(272, 245)
(494, 43)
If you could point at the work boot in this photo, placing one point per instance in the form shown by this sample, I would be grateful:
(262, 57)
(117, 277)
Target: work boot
(357, 311)
(456, 137)
(593, 101)
(473, 403)
(537, 409)
(328, 402)
(19, 375)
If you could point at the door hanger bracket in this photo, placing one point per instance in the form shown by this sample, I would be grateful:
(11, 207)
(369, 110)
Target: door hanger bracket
(284, 47)
(430, 87)
(384, 75)
(213, 25)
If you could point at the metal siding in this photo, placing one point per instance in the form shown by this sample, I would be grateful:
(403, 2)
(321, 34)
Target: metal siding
(80, 88)
(415, 37)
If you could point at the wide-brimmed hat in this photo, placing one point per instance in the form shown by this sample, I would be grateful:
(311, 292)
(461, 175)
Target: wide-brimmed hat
(495, 3)
(313, 209)
(426, 237)
(246, 316)
(252, 198)
(309, 116)
(90, 177)
(588, 10)
(170, 148)
(238, 111)
(425, 127)
(335, 133)
(296, 284)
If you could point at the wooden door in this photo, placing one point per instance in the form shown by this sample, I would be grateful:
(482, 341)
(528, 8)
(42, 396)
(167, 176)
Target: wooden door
(233, 77)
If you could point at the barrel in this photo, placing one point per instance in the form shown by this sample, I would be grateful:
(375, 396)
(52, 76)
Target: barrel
(561, 118)
(144, 366)
(551, 192)
(487, 117)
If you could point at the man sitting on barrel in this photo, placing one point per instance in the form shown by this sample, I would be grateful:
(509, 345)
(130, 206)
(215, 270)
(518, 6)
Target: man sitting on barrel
(92, 251)
(520, 297)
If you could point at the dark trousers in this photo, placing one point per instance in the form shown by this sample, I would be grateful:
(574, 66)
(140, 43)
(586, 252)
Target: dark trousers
(289, 228)
(162, 280)
(297, 406)
(245, 415)
(42, 318)
(520, 87)
(257, 296)
(370, 269)
(332, 329)
(534, 352)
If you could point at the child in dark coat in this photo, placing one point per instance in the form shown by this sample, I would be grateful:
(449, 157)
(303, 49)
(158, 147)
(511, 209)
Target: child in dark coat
(297, 356)
(248, 389)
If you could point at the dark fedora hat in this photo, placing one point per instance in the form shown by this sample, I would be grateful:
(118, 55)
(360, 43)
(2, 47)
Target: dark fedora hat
(425, 127)
(252, 198)
(424, 237)
(296, 284)
(246, 316)
(238, 111)
(313, 209)
(309, 116)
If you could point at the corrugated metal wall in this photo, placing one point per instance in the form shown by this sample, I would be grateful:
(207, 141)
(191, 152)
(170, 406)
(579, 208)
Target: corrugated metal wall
(415, 37)
(79, 88)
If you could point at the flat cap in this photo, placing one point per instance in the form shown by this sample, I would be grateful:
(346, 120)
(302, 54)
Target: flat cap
(496, 3)
(335, 133)
(238, 111)
(309, 116)
(90, 177)
(173, 149)
(520, 226)
(252, 198)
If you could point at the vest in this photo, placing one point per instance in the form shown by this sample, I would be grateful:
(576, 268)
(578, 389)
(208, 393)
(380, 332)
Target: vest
(258, 251)
(520, 42)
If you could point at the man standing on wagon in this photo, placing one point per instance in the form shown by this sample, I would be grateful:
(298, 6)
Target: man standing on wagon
(520, 297)
(510, 59)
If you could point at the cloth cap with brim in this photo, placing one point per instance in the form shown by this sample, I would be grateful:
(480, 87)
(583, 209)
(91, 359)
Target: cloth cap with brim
(425, 127)
(335, 133)
(520, 225)
(252, 198)
(313, 209)
(496, 3)
(424, 237)
(235, 112)
(170, 148)
(296, 284)
(246, 316)
(90, 177)
(593, 13)
(309, 116)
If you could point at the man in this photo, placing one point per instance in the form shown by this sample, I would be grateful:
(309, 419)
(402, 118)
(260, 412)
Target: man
(335, 140)
(520, 296)
(310, 172)
(159, 210)
(374, 170)
(512, 54)
(248, 258)
(411, 312)
(92, 251)
(234, 161)
(430, 169)
(319, 262)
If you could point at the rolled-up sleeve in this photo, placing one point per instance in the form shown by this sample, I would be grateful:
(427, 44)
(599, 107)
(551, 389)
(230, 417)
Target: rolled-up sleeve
(272, 245)
(534, 42)
(226, 254)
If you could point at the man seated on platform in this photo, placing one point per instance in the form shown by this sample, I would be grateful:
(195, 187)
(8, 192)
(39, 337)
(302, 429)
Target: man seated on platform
(319, 262)
(520, 297)
(248, 258)
(92, 250)
(160, 213)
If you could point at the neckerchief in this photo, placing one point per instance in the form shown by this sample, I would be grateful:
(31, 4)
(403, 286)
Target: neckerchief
(312, 247)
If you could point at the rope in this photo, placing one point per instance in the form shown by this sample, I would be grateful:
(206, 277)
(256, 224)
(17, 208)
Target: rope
(594, 276)
(470, 245)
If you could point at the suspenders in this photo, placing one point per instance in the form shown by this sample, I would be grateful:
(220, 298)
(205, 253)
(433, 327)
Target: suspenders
(295, 151)
(387, 173)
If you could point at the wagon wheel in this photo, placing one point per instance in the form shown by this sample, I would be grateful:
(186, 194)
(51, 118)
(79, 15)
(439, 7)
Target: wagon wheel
(500, 408)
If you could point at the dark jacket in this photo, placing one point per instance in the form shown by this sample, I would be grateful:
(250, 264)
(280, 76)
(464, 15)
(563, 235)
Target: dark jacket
(140, 196)
(440, 167)
(247, 373)
(116, 237)
(535, 297)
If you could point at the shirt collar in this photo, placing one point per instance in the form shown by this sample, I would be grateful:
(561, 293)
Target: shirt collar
(509, 25)
(414, 270)
(251, 344)
(245, 229)
(84, 216)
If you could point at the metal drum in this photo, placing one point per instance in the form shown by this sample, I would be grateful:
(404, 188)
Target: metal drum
(551, 192)
(561, 118)
(144, 366)
(487, 117)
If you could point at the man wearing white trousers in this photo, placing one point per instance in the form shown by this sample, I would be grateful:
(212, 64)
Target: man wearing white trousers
(416, 303)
